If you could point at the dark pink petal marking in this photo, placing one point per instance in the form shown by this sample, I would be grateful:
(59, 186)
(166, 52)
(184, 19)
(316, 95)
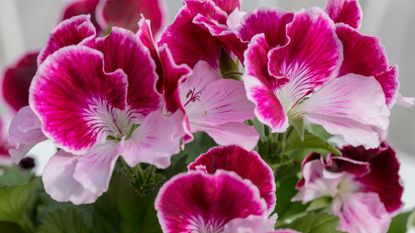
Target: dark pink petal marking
(383, 178)
(228, 5)
(16, 81)
(189, 43)
(127, 13)
(76, 101)
(73, 31)
(309, 59)
(81, 7)
(345, 11)
(200, 202)
(366, 56)
(122, 50)
(247, 164)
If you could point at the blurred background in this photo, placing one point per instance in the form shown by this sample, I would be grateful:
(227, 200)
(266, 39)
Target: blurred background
(25, 26)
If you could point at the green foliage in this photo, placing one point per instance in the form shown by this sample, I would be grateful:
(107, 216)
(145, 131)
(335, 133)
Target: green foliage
(402, 222)
(315, 223)
(64, 221)
(13, 202)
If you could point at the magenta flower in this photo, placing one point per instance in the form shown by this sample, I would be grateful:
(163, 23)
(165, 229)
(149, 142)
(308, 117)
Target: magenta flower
(295, 76)
(246, 164)
(345, 11)
(254, 224)
(201, 29)
(118, 13)
(199, 202)
(209, 103)
(98, 108)
(16, 81)
(364, 185)
(5, 158)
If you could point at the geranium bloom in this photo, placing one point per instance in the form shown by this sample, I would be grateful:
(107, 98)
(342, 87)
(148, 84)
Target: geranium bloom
(362, 54)
(16, 81)
(294, 75)
(364, 185)
(100, 107)
(5, 158)
(233, 191)
(201, 29)
(119, 13)
(210, 103)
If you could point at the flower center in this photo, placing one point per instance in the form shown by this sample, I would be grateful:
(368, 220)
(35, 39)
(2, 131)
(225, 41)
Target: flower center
(201, 225)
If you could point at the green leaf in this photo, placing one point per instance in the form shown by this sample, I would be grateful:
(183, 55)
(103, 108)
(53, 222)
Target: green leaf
(400, 223)
(200, 144)
(411, 221)
(260, 129)
(13, 201)
(315, 223)
(319, 203)
(310, 143)
(229, 67)
(64, 221)
(10, 227)
(15, 176)
(298, 125)
(121, 209)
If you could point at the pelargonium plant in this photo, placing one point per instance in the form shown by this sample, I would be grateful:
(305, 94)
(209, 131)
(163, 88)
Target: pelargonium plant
(224, 121)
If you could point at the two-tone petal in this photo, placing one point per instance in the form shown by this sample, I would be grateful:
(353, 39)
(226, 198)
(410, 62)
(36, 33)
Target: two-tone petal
(199, 202)
(345, 11)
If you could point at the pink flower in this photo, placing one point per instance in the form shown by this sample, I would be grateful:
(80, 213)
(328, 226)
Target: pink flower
(209, 103)
(16, 81)
(201, 29)
(345, 11)
(364, 185)
(118, 13)
(294, 75)
(102, 106)
(5, 158)
(246, 164)
(233, 191)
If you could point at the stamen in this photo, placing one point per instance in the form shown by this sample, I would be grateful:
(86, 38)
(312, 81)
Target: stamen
(192, 96)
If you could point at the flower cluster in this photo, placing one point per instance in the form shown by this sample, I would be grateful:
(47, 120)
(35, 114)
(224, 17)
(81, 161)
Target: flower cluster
(110, 85)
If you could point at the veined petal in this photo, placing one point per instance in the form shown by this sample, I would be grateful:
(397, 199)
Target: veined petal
(199, 202)
(247, 164)
(239, 134)
(94, 169)
(81, 7)
(73, 31)
(345, 11)
(228, 5)
(383, 178)
(122, 50)
(209, 99)
(310, 58)
(361, 213)
(339, 108)
(250, 224)
(16, 81)
(127, 13)
(268, 108)
(24, 133)
(271, 22)
(366, 56)
(155, 141)
(188, 42)
(77, 102)
(59, 182)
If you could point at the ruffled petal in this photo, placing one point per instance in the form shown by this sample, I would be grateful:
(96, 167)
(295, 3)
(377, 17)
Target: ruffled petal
(189, 43)
(362, 213)
(24, 133)
(310, 58)
(239, 134)
(155, 141)
(127, 13)
(366, 56)
(77, 102)
(345, 11)
(209, 99)
(247, 164)
(73, 31)
(81, 7)
(339, 108)
(200, 202)
(59, 182)
(271, 22)
(383, 178)
(94, 169)
(16, 81)
(228, 5)
(268, 108)
(122, 50)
